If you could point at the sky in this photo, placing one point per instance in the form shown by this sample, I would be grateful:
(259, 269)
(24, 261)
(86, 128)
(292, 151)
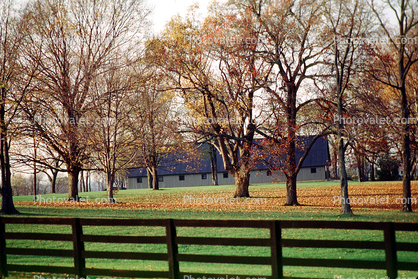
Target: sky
(164, 10)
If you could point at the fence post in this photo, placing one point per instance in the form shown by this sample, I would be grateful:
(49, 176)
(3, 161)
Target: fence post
(3, 255)
(276, 249)
(390, 250)
(78, 248)
(172, 250)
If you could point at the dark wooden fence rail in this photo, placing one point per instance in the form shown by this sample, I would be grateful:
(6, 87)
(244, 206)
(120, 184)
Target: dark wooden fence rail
(275, 242)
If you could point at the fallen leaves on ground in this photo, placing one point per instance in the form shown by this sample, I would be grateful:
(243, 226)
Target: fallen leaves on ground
(368, 195)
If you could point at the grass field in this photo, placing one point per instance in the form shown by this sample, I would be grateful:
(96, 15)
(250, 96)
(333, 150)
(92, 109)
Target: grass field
(376, 202)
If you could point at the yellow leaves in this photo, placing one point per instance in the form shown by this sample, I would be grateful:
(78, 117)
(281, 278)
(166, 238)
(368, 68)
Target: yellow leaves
(175, 30)
(388, 93)
(192, 8)
(166, 149)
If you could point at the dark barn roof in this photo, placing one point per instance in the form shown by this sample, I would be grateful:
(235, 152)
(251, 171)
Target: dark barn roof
(317, 156)
(170, 165)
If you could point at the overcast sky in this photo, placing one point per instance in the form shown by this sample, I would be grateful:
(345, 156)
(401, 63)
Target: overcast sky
(165, 9)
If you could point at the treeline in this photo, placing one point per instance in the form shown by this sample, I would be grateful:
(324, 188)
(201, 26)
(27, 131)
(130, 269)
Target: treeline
(84, 85)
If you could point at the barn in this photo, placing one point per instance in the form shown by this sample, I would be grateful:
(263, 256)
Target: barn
(199, 173)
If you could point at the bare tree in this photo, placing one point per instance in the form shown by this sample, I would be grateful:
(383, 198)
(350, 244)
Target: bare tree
(113, 143)
(156, 127)
(348, 24)
(21, 185)
(47, 160)
(404, 43)
(74, 41)
(15, 83)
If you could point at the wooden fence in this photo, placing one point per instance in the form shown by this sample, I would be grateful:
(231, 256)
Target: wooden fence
(275, 244)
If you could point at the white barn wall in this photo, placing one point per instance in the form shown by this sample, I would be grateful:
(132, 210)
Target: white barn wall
(259, 176)
(190, 180)
(194, 180)
(305, 174)
(132, 183)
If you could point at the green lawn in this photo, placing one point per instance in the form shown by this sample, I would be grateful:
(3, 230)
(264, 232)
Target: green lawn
(164, 195)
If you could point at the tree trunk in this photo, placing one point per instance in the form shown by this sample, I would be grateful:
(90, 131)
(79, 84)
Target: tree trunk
(82, 188)
(34, 190)
(291, 174)
(291, 195)
(73, 182)
(7, 206)
(53, 180)
(155, 184)
(359, 168)
(372, 172)
(150, 179)
(291, 191)
(110, 179)
(242, 182)
(406, 151)
(213, 164)
(34, 184)
(335, 163)
(84, 182)
(406, 164)
(34, 170)
(88, 186)
(345, 202)
(154, 174)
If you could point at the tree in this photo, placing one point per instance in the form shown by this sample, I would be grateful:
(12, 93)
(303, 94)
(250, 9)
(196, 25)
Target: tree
(54, 169)
(74, 41)
(15, 83)
(52, 177)
(347, 22)
(61, 185)
(20, 185)
(120, 179)
(288, 42)
(214, 67)
(156, 129)
(376, 132)
(47, 161)
(412, 83)
(213, 164)
(403, 43)
(113, 143)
